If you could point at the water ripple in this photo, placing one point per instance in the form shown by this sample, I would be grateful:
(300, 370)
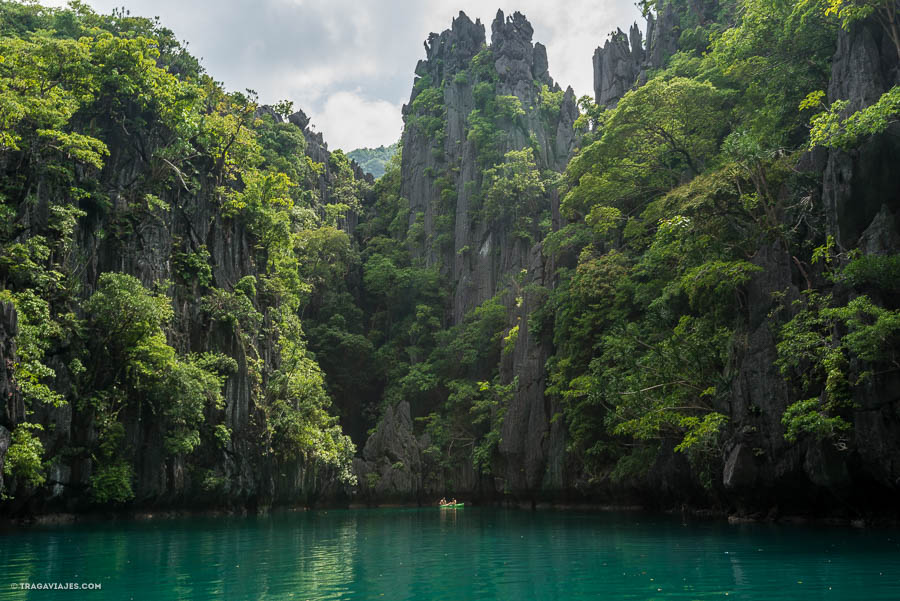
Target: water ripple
(442, 555)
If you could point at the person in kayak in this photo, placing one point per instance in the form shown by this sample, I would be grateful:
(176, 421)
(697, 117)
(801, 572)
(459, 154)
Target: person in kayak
(443, 501)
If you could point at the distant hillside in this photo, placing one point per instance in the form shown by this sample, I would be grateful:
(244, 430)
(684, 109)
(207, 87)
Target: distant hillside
(373, 160)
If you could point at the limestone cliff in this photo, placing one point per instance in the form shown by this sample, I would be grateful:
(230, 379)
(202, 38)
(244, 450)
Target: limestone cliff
(445, 156)
(619, 65)
(623, 61)
(759, 470)
(860, 204)
(242, 474)
(12, 410)
(461, 227)
(442, 175)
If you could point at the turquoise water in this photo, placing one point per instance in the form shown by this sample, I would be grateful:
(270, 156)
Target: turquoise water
(451, 555)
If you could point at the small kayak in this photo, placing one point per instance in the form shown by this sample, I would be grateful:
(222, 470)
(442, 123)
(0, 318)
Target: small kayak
(451, 506)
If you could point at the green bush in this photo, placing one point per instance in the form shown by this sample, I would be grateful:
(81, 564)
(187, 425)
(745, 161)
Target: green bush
(24, 455)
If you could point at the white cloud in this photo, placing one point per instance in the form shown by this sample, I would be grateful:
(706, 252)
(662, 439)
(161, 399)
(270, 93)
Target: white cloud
(349, 121)
(310, 86)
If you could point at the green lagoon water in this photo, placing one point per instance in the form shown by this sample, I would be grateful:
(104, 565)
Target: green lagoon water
(430, 554)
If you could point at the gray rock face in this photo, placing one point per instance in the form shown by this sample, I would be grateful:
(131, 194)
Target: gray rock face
(620, 65)
(759, 468)
(519, 64)
(662, 34)
(449, 53)
(391, 465)
(514, 52)
(759, 457)
(299, 119)
(876, 432)
(5, 439)
(882, 237)
(394, 467)
(530, 459)
(11, 409)
(540, 67)
(857, 185)
(740, 469)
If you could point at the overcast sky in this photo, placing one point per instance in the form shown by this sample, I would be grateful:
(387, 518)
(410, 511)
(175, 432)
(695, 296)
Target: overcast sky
(349, 63)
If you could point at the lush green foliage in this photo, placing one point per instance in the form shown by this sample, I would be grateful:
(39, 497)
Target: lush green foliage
(23, 457)
(831, 128)
(672, 193)
(885, 12)
(669, 200)
(656, 134)
(374, 160)
(82, 95)
(831, 365)
(133, 365)
(427, 111)
(665, 207)
(514, 194)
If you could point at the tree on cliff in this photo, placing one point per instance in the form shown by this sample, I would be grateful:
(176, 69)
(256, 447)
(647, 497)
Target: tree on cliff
(658, 134)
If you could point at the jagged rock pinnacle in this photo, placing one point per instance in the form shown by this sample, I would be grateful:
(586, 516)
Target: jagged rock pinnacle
(618, 66)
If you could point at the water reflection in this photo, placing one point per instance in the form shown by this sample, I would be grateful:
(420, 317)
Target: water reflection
(448, 516)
